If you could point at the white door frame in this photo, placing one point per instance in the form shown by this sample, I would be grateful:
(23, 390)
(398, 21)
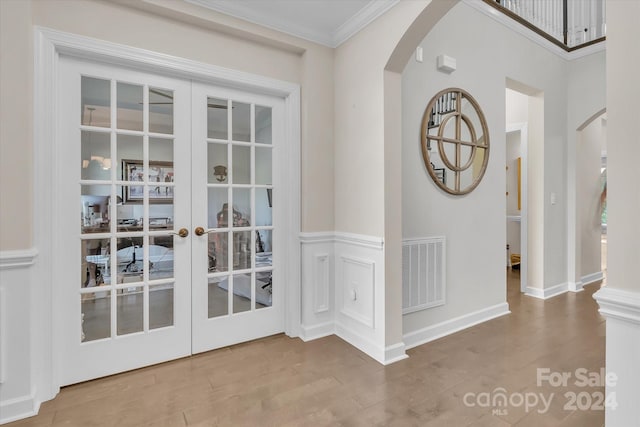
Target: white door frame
(49, 45)
(524, 223)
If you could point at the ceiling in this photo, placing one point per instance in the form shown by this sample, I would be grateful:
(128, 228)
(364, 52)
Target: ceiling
(327, 22)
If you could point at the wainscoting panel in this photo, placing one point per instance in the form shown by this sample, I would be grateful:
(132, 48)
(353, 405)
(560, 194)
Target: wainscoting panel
(317, 288)
(343, 292)
(360, 293)
(321, 277)
(17, 396)
(358, 289)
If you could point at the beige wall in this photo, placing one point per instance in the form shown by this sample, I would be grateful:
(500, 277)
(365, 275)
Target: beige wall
(586, 99)
(623, 112)
(368, 136)
(359, 119)
(16, 148)
(589, 188)
(193, 33)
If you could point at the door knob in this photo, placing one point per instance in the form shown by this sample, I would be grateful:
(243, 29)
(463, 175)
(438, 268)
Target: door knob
(200, 231)
(183, 232)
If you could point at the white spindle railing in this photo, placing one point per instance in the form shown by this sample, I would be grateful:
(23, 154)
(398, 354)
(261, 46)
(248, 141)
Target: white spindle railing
(585, 18)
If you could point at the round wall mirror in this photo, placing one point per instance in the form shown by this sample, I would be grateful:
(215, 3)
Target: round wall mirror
(455, 141)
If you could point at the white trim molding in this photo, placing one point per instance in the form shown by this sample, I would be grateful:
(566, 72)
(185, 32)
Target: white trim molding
(349, 269)
(359, 240)
(395, 353)
(621, 308)
(18, 408)
(17, 258)
(448, 327)
(332, 39)
(310, 333)
(360, 20)
(619, 304)
(546, 293)
(575, 286)
(592, 278)
(17, 389)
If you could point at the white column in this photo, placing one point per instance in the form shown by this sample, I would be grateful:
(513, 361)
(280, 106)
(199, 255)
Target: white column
(620, 299)
(622, 311)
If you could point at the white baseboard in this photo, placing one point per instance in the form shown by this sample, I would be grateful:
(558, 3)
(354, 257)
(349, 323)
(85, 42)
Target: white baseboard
(18, 408)
(592, 278)
(575, 287)
(361, 343)
(310, 333)
(431, 333)
(547, 293)
(395, 353)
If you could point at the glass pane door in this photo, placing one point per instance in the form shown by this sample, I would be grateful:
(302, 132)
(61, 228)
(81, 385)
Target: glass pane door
(128, 156)
(234, 279)
(126, 208)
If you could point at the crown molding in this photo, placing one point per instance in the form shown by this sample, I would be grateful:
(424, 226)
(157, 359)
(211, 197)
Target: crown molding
(364, 17)
(241, 11)
(357, 22)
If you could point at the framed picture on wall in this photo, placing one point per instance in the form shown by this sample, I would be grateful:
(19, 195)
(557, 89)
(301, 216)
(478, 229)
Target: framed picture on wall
(160, 176)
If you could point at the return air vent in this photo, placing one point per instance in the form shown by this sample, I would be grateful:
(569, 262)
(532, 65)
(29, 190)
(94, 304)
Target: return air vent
(423, 273)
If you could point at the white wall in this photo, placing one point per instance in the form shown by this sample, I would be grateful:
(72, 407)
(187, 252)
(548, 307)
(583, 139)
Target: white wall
(623, 112)
(366, 175)
(475, 224)
(16, 150)
(586, 93)
(517, 105)
(589, 189)
(359, 119)
(620, 299)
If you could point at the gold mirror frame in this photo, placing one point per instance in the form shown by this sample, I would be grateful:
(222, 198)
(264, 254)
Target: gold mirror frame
(452, 98)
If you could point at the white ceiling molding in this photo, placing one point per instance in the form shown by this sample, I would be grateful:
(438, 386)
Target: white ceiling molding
(315, 28)
(361, 19)
(531, 35)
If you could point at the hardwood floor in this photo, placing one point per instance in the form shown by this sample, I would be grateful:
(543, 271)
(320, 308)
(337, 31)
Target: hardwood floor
(279, 381)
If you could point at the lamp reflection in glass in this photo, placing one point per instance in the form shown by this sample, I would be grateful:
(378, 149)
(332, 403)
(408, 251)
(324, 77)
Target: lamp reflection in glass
(104, 163)
(220, 173)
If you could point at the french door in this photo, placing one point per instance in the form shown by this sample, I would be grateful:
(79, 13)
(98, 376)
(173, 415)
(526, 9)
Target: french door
(234, 242)
(175, 250)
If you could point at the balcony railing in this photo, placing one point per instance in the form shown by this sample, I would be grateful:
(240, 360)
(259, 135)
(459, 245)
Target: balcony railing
(570, 24)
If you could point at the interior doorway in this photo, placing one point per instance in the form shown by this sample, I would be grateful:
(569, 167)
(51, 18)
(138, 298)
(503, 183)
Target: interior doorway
(516, 194)
(179, 243)
(517, 172)
(591, 198)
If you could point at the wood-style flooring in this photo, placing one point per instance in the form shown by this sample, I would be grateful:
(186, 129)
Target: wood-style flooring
(279, 381)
